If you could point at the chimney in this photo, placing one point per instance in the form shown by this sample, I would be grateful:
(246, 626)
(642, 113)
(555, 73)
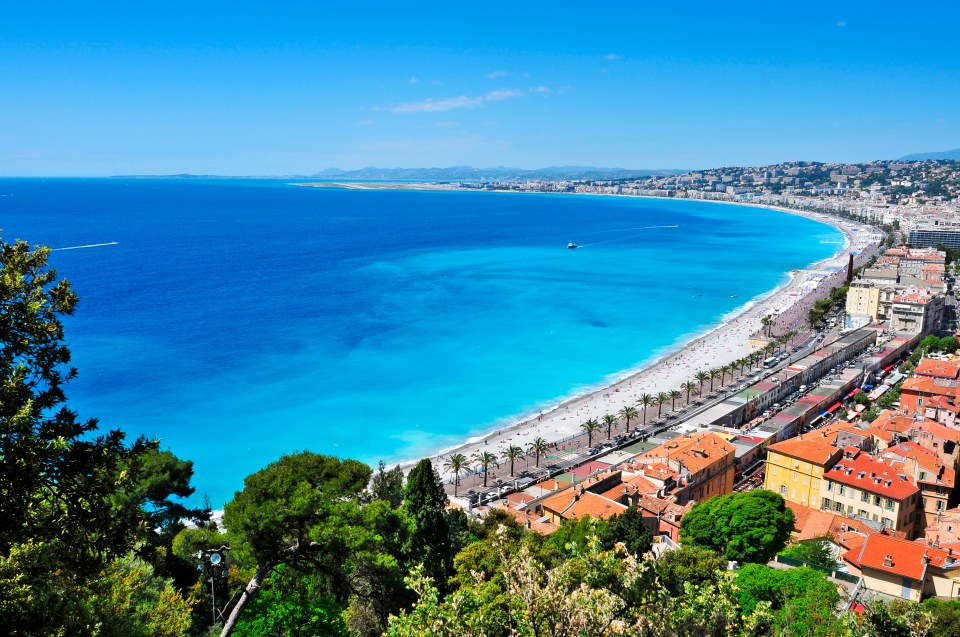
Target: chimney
(888, 561)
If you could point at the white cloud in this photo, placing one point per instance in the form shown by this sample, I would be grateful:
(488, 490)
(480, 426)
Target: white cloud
(451, 103)
(841, 24)
(495, 74)
(542, 90)
(613, 56)
(496, 96)
(414, 79)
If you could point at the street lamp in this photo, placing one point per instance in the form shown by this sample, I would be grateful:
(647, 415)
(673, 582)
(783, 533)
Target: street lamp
(212, 564)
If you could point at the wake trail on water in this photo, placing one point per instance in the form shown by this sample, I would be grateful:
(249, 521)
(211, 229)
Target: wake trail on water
(91, 245)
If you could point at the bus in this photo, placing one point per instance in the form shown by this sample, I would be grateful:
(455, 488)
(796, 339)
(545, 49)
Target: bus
(770, 362)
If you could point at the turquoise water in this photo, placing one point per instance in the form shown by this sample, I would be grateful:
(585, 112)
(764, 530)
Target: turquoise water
(241, 320)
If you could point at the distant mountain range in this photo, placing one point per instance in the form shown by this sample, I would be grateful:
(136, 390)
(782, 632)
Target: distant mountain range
(501, 173)
(946, 154)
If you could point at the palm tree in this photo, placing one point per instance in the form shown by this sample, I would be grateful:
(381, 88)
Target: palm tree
(714, 374)
(724, 370)
(589, 427)
(688, 387)
(744, 363)
(646, 400)
(701, 377)
(662, 397)
(609, 420)
(628, 413)
(455, 464)
(511, 453)
(674, 394)
(537, 446)
(485, 458)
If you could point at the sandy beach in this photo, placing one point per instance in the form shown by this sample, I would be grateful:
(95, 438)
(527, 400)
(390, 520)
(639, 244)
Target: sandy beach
(721, 345)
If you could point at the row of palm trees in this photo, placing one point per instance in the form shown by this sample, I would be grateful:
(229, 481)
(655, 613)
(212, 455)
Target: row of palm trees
(458, 463)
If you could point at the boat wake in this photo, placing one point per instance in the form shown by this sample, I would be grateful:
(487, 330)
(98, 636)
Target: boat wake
(91, 245)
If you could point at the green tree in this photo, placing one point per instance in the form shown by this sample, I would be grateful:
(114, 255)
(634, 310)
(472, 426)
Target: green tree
(628, 413)
(645, 401)
(589, 427)
(609, 420)
(661, 399)
(485, 458)
(73, 500)
(629, 529)
(802, 599)
(746, 527)
(689, 564)
(456, 464)
(701, 377)
(425, 502)
(387, 485)
(538, 446)
(511, 453)
(689, 387)
(295, 604)
(301, 509)
(674, 394)
(816, 551)
(945, 615)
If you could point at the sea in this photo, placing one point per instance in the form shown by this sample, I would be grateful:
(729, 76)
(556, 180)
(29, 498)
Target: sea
(241, 320)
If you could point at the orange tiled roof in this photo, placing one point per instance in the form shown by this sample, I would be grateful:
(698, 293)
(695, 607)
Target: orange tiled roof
(807, 449)
(899, 557)
(889, 420)
(694, 451)
(939, 431)
(933, 386)
(937, 369)
(874, 476)
(568, 505)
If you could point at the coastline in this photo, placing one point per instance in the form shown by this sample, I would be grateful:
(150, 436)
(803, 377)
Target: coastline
(719, 344)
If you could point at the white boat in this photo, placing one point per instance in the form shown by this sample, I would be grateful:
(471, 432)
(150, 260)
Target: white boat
(572, 246)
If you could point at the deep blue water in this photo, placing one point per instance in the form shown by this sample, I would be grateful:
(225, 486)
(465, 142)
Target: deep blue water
(241, 320)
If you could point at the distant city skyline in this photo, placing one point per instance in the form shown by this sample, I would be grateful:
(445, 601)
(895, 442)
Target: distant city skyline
(236, 90)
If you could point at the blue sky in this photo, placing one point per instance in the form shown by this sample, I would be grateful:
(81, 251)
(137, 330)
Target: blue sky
(282, 88)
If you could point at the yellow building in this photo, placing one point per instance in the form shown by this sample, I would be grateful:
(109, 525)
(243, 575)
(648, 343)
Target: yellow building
(863, 300)
(795, 469)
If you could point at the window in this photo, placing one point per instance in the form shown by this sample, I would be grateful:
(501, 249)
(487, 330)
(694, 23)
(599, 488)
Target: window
(783, 489)
(888, 523)
(849, 509)
(794, 477)
(806, 480)
(940, 506)
(793, 494)
(923, 475)
(829, 485)
(838, 507)
(876, 500)
(924, 503)
(843, 489)
(862, 513)
(888, 504)
(827, 503)
(864, 496)
(774, 472)
(816, 484)
(853, 493)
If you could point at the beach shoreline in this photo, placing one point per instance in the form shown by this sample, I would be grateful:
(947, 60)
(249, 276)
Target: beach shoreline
(717, 345)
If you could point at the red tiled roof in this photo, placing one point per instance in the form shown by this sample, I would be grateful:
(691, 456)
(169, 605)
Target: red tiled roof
(938, 369)
(900, 557)
(874, 476)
